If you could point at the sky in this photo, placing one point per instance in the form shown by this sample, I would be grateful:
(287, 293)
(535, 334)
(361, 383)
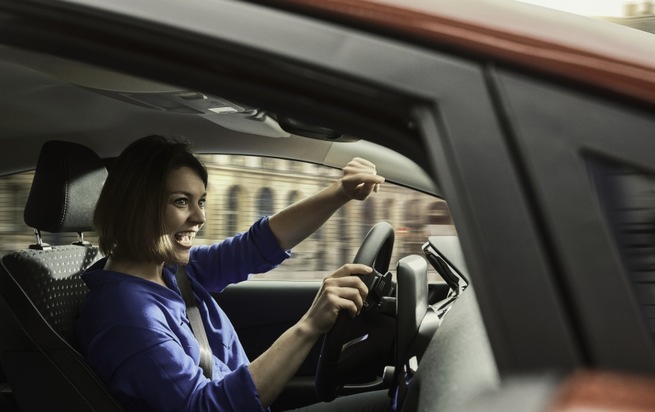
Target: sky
(585, 7)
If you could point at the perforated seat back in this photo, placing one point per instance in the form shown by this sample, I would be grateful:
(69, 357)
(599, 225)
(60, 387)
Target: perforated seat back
(51, 280)
(41, 290)
(41, 293)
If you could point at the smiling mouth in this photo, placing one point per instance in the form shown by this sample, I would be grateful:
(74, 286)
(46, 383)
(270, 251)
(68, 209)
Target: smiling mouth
(185, 239)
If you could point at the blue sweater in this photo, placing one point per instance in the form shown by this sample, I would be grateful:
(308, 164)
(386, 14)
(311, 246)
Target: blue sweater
(136, 336)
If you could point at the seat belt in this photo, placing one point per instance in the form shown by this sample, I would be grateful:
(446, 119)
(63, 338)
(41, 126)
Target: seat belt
(197, 327)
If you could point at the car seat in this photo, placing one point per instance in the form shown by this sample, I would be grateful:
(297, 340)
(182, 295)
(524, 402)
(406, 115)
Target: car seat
(41, 289)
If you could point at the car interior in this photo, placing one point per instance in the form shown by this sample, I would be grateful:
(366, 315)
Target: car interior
(486, 317)
(42, 289)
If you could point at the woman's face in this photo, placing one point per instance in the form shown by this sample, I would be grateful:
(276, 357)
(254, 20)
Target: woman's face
(184, 211)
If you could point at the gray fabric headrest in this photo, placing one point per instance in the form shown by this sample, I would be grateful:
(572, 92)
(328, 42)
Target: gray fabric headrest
(66, 187)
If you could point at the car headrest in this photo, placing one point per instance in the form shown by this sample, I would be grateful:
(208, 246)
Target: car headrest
(65, 189)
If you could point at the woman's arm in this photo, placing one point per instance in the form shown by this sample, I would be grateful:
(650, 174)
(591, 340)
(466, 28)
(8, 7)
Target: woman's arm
(296, 222)
(273, 369)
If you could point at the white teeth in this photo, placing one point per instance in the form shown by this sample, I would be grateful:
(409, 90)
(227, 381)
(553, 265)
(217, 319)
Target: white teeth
(184, 238)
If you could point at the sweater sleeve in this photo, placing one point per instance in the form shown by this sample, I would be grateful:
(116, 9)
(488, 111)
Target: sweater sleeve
(138, 383)
(233, 259)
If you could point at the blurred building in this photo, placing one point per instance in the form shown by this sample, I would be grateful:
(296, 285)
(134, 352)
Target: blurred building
(244, 188)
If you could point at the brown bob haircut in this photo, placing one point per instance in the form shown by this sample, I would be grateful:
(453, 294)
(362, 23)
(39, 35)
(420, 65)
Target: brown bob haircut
(129, 215)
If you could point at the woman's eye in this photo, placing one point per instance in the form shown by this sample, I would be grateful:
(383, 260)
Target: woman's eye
(181, 202)
(202, 203)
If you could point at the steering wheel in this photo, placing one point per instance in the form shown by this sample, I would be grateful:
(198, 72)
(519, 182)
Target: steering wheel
(355, 348)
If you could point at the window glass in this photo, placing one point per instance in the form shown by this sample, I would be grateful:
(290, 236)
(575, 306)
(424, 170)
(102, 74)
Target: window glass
(241, 191)
(253, 190)
(627, 197)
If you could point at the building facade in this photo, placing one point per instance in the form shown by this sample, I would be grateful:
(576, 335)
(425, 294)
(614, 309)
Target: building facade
(243, 189)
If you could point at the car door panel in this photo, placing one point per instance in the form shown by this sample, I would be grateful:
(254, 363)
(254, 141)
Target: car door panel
(261, 310)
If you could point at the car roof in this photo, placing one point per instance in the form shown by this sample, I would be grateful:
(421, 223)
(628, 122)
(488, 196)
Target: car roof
(587, 50)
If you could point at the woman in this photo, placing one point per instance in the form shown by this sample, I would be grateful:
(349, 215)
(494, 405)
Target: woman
(133, 327)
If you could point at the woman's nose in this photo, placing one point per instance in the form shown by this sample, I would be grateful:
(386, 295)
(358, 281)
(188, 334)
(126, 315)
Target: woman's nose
(197, 215)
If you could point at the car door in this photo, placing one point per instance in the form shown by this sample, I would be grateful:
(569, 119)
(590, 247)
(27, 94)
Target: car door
(592, 179)
(431, 106)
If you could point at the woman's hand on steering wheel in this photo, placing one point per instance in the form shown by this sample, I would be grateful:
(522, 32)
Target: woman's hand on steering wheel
(332, 371)
(339, 292)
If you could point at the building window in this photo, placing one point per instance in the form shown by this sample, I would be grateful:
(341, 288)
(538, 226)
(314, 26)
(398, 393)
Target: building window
(296, 166)
(344, 244)
(414, 217)
(268, 163)
(232, 210)
(293, 197)
(387, 211)
(438, 214)
(368, 217)
(265, 202)
(237, 160)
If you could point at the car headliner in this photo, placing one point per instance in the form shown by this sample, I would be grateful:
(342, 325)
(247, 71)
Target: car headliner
(68, 100)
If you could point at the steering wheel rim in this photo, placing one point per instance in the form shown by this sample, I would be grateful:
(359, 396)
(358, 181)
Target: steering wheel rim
(376, 248)
(375, 251)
